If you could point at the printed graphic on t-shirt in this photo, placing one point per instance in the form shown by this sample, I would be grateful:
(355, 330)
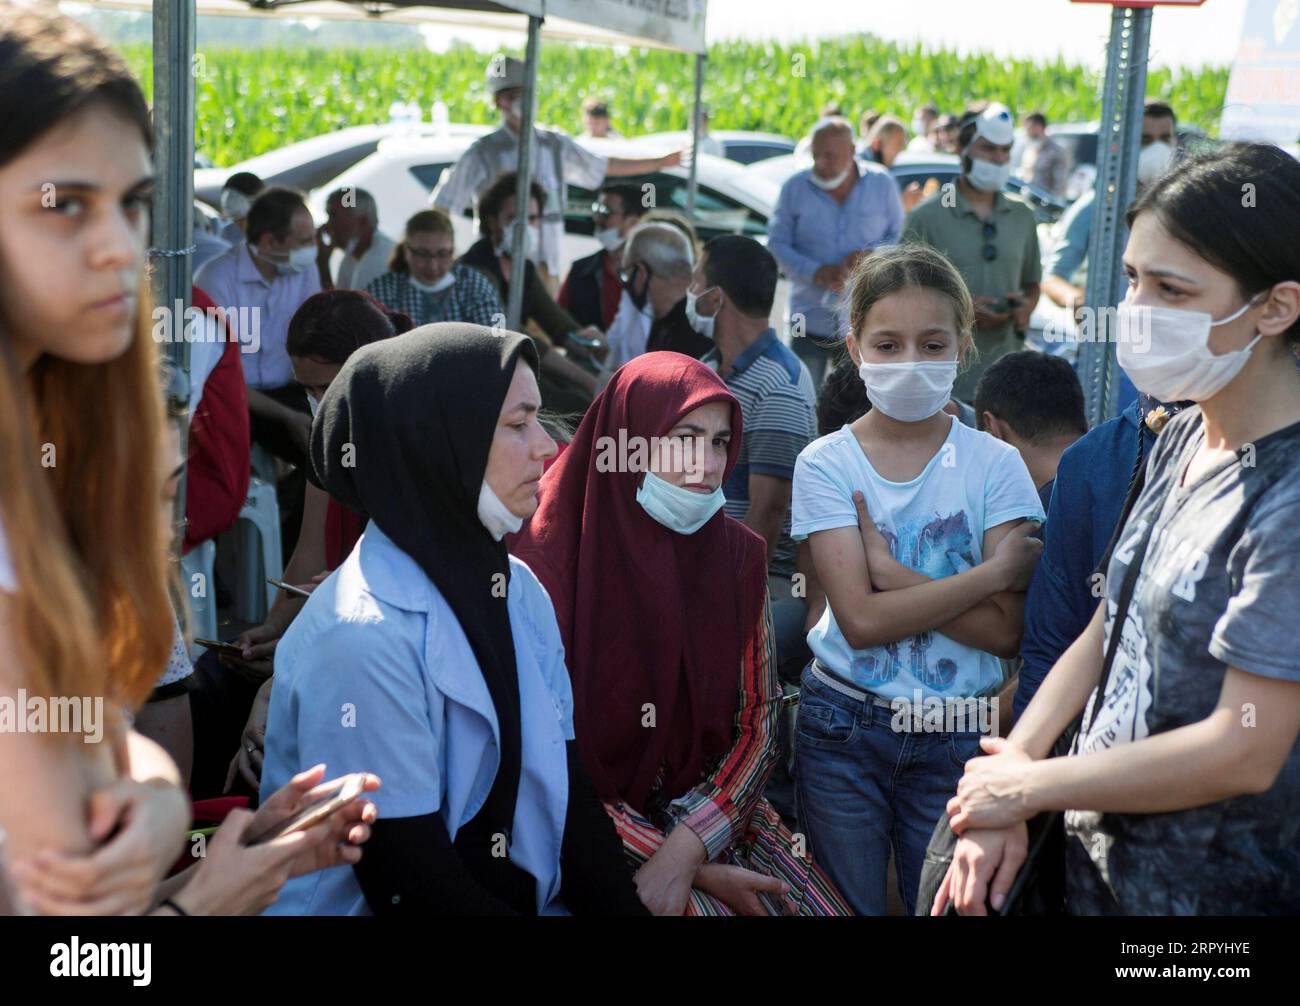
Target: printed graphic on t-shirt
(938, 546)
(1123, 715)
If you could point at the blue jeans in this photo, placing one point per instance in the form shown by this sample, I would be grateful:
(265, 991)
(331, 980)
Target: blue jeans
(864, 788)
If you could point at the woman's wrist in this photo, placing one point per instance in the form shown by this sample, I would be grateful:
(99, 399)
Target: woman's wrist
(685, 848)
(703, 877)
(192, 898)
(1033, 795)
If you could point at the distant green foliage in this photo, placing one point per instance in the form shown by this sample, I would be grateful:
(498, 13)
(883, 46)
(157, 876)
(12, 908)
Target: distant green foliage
(254, 100)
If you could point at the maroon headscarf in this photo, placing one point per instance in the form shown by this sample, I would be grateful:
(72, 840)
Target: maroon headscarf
(647, 615)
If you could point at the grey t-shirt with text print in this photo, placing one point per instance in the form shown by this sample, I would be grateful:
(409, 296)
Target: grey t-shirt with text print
(1219, 586)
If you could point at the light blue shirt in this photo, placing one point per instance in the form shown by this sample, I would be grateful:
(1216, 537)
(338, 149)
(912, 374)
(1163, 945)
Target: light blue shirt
(809, 229)
(258, 311)
(376, 675)
(934, 524)
(1067, 258)
(1069, 252)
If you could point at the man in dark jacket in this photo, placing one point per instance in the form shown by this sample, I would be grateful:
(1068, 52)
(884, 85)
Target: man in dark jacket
(1092, 480)
(591, 290)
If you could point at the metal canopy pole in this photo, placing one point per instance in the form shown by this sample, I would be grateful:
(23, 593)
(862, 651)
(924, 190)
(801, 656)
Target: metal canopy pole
(524, 180)
(173, 154)
(692, 186)
(173, 203)
(1119, 144)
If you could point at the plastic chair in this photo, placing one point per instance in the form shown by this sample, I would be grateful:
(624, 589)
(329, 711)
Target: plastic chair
(258, 542)
(203, 605)
(264, 465)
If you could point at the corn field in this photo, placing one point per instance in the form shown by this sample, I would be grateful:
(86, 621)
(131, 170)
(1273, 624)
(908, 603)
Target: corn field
(250, 101)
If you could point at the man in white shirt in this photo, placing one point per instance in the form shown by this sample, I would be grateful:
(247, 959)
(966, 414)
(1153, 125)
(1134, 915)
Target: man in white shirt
(353, 228)
(558, 160)
(259, 285)
(923, 122)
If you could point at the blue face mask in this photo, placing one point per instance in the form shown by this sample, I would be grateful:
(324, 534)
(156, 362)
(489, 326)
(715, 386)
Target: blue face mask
(678, 509)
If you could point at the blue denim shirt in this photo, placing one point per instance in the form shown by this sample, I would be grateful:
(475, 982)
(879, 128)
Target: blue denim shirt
(809, 229)
(1087, 498)
(1067, 257)
(376, 675)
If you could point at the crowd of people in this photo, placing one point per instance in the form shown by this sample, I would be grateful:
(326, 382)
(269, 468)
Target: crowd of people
(649, 607)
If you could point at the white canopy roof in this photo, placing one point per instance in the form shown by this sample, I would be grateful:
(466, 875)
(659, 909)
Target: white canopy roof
(677, 24)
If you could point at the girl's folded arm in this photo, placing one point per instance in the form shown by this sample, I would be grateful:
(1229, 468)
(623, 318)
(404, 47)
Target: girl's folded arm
(994, 625)
(870, 619)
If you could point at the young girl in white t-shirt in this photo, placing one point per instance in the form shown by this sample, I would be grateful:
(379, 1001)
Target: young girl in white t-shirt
(919, 529)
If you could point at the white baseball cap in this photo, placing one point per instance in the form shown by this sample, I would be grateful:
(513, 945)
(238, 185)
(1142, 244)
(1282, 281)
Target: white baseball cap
(996, 125)
(503, 73)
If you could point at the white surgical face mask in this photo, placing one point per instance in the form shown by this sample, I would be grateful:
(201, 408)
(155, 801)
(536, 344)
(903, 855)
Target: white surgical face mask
(609, 238)
(299, 260)
(827, 184)
(445, 283)
(234, 204)
(1153, 161)
(702, 324)
(987, 176)
(313, 405)
(909, 392)
(514, 110)
(532, 241)
(1177, 364)
(494, 515)
(682, 510)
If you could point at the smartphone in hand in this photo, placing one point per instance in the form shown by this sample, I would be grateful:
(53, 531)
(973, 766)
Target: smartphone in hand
(348, 788)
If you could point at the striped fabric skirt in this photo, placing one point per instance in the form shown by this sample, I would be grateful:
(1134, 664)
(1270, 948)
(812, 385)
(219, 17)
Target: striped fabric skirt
(769, 848)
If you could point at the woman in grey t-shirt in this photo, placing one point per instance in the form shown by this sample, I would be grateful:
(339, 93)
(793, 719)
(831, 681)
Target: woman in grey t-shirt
(1181, 789)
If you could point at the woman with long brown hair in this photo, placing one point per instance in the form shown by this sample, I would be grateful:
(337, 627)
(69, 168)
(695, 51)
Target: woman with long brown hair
(85, 618)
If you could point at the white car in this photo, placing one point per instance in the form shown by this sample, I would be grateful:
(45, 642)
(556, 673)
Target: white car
(740, 145)
(402, 172)
(313, 162)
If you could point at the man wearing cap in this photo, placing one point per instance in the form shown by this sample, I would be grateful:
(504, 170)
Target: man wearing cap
(827, 217)
(558, 160)
(989, 236)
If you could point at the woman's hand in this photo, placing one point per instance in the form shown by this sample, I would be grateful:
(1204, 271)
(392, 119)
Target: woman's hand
(738, 888)
(984, 866)
(234, 879)
(259, 642)
(993, 792)
(349, 827)
(1016, 556)
(247, 763)
(665, 879)
(146, 822)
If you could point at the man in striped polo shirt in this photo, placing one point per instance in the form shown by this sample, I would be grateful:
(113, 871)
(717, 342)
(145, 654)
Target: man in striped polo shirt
(729, 300)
